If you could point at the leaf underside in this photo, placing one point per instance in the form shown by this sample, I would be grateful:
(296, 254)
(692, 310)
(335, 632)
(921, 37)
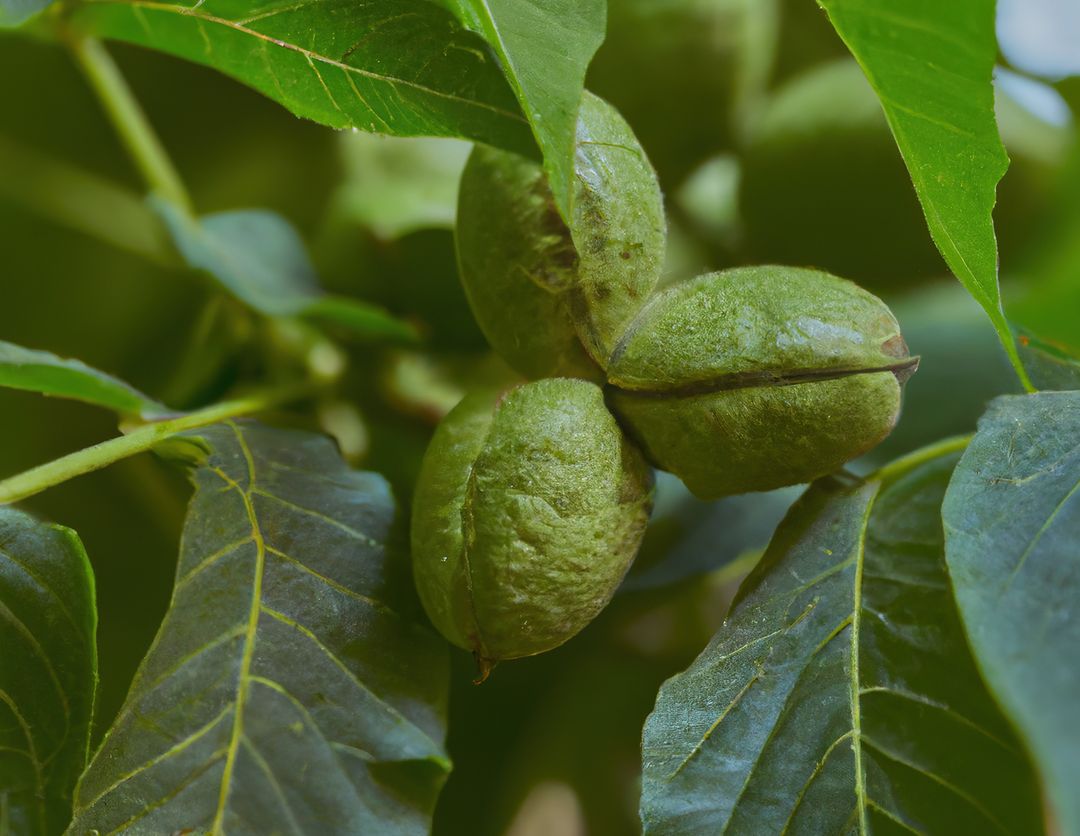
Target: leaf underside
(1012, 524)
(48, 671)
(291, 688)
(259, 257)
(839, 696)
(931, 65)
(402, 67)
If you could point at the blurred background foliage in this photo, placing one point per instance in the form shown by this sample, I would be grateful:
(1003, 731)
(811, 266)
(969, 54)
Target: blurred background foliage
(770, 147)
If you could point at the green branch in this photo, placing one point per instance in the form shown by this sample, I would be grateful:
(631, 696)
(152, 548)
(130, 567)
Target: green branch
(139, 440)
(129, 120)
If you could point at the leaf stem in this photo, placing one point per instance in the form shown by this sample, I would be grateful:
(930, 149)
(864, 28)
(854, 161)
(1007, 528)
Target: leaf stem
(905, 464)
(19, 487)
(129, 120)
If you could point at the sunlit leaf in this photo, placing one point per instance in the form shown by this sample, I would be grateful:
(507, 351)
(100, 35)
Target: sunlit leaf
(1012, 528)
(931, 64)
(47, 374)
(48, 672)
(259, 257)
(402, 67)
(291, 687)
(545, 48)
(839, 696)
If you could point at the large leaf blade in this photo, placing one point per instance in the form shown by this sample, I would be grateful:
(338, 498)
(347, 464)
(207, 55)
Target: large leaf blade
(1012, 526)
(401, 67)
(931, 66)
(291, 687)
(839, 695)
(43, 372)
(48, 671)
(545, 48)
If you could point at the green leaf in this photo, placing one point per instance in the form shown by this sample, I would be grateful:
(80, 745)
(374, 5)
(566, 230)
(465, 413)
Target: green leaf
(14, 12)
(839, 696)
(260, 258)
(48, 671)
(931, 64)
(291, 687)
(545, 47)
(402, 67)
(395, 186)
(1012, 529)
(47, 374)
(1050, 365)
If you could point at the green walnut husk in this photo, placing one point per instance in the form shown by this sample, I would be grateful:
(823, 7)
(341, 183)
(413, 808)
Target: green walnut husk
(529, 509)
(552, 299)
(759, 377)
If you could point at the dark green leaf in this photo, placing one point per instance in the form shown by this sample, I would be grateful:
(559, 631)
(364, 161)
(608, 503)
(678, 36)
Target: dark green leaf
(839, 696)
(291, 688)
(931, 65)
(47, 374)
(545, 47)
(48, 672)
(402, 67)
(259, 258)
(1012, 528)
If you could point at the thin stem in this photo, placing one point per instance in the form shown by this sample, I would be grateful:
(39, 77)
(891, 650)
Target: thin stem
(139, 440)
(905, 464)
(129, 120)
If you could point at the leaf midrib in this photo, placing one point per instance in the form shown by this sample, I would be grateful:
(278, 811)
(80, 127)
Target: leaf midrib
(192, 12)
(243, 678)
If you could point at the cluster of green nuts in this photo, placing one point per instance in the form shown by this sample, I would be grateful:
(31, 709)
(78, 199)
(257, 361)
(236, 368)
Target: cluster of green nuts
(532, 502)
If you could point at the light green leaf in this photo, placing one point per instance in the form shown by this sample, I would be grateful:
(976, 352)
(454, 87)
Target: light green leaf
(291, 688)
(48, 672)
(931, 64)
(395, 186)
(402, 67)
(260, 258)
(14, 12)
(545, 47)
(1012, 535)
(839, 696)
(47, 374)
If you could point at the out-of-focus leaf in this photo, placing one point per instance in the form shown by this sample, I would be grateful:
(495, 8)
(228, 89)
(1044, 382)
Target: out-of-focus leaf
(962, 367)
(931, 65)
(14, 12)
(1050, 366)
(402, 67)
(395, 186)
(259, 258)
(545, 47)
(291, 687)
(689, 537)
(1012, 536)
(47, 374)
(48, 671)
(81, 200)
(839, 696)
